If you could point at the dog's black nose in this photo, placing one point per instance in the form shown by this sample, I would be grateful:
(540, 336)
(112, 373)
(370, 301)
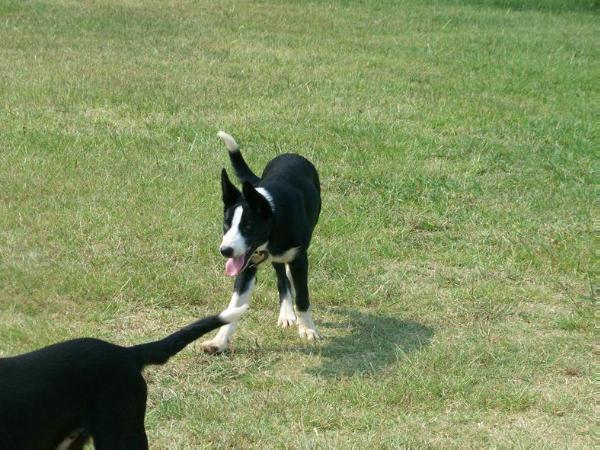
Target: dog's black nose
(227, 252)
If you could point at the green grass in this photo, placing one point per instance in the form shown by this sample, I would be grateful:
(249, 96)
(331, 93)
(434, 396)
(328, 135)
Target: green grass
(453, 272)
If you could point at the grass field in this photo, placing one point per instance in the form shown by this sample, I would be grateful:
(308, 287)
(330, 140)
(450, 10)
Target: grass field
(453, 271)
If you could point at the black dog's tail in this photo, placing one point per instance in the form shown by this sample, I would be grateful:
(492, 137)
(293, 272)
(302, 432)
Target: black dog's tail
(159, 352)
(242, 171)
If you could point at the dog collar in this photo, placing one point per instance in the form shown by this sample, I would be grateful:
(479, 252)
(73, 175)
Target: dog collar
(263, 256)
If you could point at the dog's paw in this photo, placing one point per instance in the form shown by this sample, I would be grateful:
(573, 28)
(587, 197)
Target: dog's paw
(310, 334)
(306, 326)
(287, 318)
(286, 322)
(213, 347)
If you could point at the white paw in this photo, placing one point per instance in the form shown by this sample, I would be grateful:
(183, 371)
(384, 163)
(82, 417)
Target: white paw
(306, 326)
(287, 318)
(310, 334)
(213, 347)
(286, 322)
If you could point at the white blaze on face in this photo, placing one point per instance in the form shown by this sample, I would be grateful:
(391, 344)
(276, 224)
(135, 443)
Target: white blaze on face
(233, 238)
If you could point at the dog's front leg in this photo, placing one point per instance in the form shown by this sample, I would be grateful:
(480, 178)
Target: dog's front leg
(298, 274)
(242, 290)
(286, 307)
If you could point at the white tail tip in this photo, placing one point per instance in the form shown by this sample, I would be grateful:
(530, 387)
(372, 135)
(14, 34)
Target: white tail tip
(230, 143)
(233, 314)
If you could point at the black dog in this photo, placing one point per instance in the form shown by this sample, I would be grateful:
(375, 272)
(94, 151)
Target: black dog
(272, 220)
(61, 395)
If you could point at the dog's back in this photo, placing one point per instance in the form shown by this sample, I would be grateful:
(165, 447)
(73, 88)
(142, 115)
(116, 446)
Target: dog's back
(296, 169)
(292, 171)
(41, 400)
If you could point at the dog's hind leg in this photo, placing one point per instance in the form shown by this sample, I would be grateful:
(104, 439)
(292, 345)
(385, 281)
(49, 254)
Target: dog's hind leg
(286, 308)
(242, 291)
(132, 440)
(298, 274)
(117, 422)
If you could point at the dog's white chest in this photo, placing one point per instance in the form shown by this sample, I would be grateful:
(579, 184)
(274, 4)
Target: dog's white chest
(285, 257)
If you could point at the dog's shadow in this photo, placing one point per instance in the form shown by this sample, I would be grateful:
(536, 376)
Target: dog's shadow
(365, 343)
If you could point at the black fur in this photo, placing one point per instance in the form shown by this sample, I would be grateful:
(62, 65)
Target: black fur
(84, 388)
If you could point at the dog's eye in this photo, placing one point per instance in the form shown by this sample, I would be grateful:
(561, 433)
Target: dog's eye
(246, 225)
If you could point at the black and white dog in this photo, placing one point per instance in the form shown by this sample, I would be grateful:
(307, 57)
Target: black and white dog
(270, 220)
(59, 396)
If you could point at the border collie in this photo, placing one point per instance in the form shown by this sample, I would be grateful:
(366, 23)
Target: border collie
(59, 396)
(271, 220)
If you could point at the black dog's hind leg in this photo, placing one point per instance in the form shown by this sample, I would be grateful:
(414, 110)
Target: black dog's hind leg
(242, 291)
(286, 308)
(299, 277)
(117, 422)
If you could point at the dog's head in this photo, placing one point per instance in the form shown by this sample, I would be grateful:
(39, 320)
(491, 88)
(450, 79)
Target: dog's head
(247, 224)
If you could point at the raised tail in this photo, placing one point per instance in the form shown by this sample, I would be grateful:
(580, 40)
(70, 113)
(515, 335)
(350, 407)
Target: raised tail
(159, 352)
(242, 171)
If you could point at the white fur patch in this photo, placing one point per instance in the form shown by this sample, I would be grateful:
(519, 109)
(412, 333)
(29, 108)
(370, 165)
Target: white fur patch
(233, 314)
(288, 273)
(221, 340)
(287, 317)
(234, 238)
(267, 195)
(287, 256)
(64, 445)
(230, 143)
(306, 326)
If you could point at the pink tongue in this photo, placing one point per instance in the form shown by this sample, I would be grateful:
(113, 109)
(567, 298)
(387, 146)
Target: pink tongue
(233, 266)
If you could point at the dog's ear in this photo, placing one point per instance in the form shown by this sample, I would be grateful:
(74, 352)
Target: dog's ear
(256, 201)
(230, 192)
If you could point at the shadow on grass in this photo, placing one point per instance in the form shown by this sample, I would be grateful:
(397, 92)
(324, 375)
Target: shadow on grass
(366, 343)
(533, 5)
